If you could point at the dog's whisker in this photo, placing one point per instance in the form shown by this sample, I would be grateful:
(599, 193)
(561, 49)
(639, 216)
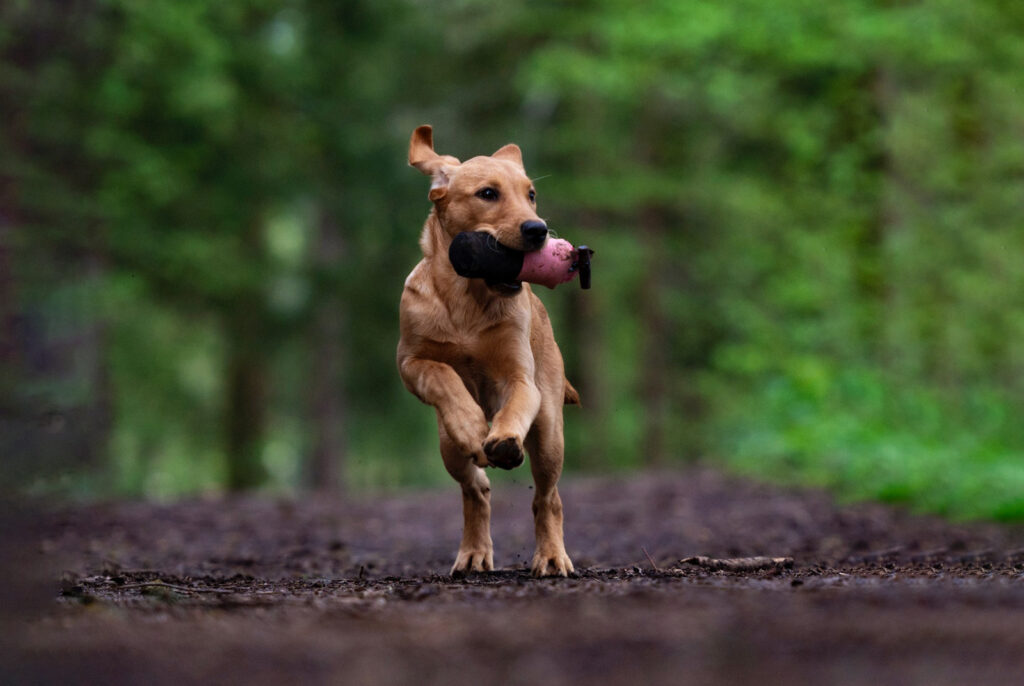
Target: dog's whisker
(540, 178)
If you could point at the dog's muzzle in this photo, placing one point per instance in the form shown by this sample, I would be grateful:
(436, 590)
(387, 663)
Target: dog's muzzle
(534, 234)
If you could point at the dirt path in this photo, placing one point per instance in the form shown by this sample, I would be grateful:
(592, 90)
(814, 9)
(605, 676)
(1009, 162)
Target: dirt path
(261, 591)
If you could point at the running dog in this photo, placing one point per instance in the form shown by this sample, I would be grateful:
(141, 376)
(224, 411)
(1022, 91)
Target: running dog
(482, 353)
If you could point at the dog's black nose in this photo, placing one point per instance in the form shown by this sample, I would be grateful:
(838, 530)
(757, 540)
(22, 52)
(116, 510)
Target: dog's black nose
(534, 233)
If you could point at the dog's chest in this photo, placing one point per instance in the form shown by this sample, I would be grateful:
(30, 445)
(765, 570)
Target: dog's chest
(481, 377)
(481, 383)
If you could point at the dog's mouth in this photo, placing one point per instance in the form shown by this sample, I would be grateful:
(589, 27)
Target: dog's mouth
(503, 287)
(479, 255)
(507, 288)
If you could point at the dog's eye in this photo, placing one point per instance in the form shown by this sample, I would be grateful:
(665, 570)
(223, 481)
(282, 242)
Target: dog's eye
(533, 196)
(487, 194)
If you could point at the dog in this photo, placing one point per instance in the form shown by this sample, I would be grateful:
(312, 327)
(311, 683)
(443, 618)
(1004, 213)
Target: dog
(483, 354)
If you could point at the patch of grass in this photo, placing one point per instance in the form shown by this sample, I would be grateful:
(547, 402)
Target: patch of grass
(866, 437)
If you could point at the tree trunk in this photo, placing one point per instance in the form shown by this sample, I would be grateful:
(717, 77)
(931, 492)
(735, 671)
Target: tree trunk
(586, 376)
(585, 368)
(247, 372)
(95, 346)
(327, 406)
(876, 297)
(246, 405)
(654, 387)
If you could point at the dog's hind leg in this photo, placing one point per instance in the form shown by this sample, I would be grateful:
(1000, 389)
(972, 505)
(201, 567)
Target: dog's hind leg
(476, 551)
(545, 445)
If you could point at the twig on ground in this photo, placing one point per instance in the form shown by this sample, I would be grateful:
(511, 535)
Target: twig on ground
(173, 587)
(739, 564)
(650, 559)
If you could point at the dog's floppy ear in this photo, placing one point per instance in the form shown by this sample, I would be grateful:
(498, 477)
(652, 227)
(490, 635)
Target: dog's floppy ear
(423, 157)
(512, 153)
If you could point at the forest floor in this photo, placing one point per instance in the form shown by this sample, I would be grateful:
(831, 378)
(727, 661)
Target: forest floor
(268, 591)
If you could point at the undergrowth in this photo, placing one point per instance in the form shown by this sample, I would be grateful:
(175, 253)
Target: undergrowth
(864, 437)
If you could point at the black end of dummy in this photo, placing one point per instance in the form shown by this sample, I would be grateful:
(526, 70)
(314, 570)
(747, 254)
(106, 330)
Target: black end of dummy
(583, 254)
(478, 255)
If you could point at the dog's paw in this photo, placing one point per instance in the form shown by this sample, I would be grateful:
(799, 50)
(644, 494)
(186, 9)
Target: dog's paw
(554, 563)
(473, 560)
(505, 452)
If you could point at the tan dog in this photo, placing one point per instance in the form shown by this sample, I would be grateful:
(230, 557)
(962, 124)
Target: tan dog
(482, 352)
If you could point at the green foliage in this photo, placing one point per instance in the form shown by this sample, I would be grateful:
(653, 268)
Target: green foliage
(821, 191)
(806, 216)
(858, 433)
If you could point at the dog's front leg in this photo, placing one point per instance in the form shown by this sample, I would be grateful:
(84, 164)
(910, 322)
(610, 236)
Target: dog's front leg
(437, 384)
(546, 445)
(476, 551)
(462, 426)
(504, 444)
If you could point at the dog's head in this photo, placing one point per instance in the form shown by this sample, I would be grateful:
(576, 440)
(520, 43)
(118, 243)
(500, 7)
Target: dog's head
(491, 194)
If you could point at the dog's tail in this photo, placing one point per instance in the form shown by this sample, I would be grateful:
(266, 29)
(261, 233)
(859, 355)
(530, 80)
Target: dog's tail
(572, 396)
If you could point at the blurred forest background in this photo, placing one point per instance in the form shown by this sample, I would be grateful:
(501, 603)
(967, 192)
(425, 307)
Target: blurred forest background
(808, 218)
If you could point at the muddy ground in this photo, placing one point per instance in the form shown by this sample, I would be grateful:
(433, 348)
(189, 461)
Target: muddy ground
(264, 591)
